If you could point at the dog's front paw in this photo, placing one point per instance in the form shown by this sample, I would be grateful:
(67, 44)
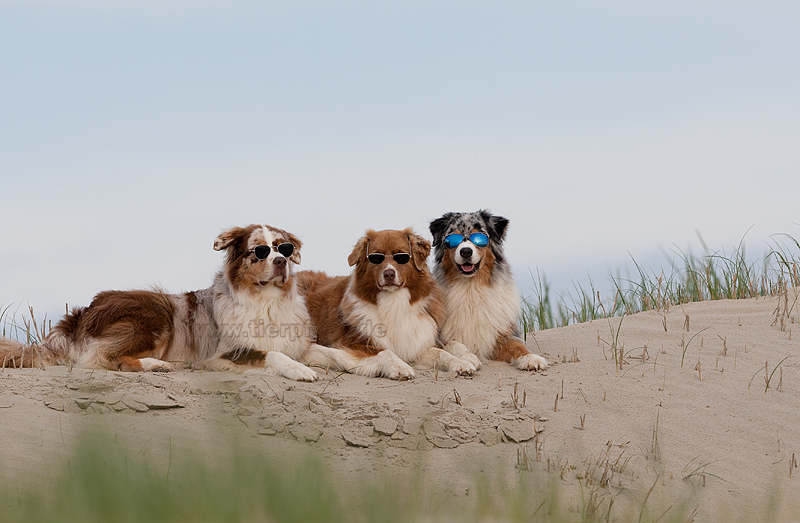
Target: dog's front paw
(154, 365)
(285, 366)
(300, 373)
(473, 359)
(461, 367)
(531, 362)
(393, 367)
(459, 350)
(399, 371)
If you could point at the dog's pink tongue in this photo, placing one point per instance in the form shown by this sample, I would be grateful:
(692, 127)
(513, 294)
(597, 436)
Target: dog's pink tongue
(467, 268)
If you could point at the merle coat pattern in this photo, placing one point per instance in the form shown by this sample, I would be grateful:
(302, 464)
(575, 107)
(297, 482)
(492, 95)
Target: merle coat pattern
(482, 304)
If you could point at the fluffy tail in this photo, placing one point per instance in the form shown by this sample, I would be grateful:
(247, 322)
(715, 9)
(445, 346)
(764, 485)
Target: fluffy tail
(14, 354)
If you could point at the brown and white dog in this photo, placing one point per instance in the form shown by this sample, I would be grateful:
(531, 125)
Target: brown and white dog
(252, 317)
(385, 316)
(481, 299)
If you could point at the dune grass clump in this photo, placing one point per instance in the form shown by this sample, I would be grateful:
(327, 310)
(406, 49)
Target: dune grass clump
(691, 278)
(29, 331)
(106, 480)
(101, 484)
(8, 325)
(103, 480)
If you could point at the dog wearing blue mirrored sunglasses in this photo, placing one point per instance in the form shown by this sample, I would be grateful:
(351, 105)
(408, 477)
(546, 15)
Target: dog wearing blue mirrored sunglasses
(482, 304)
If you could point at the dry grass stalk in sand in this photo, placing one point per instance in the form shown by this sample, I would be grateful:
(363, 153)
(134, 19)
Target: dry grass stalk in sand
(515, 397)
(769, 375)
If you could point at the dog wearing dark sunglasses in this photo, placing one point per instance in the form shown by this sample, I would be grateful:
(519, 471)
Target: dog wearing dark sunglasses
(482, 304)
(252, 317)
(385, 316)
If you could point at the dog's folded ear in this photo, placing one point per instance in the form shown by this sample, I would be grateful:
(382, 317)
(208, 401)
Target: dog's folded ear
(497, 227)
(295, 257)
(228, 238)
(420, 249)
(360, 250)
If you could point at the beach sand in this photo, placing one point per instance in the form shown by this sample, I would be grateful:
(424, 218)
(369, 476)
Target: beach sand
(687, 413)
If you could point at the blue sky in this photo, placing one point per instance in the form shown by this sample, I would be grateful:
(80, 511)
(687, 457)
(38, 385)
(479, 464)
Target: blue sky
(133, 132)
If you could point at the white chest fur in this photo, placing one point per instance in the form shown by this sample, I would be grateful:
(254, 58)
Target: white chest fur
(476, 314)
(271, 320)
(394, 323)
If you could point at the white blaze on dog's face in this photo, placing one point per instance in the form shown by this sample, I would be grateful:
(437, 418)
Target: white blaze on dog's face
(461, 256)
(275, 267)
(468, 256)
(389, 277)
(250, 264)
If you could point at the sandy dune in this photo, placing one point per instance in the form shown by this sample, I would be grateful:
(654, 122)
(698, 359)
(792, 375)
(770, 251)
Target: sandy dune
(688, 410)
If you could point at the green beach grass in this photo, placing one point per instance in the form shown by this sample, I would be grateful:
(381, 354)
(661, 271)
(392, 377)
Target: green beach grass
(103, 481)
(690, 278)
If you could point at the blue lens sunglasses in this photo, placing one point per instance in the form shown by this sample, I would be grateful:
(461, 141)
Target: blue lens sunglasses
(479, 239)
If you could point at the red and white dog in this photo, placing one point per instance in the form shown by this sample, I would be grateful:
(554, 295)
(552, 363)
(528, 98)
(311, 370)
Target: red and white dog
(385, 316)
(252, 317)
(481, 299)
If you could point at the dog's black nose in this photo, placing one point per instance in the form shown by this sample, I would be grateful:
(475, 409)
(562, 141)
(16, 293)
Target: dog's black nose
(389, 275)
(279, 262)
(465, 252)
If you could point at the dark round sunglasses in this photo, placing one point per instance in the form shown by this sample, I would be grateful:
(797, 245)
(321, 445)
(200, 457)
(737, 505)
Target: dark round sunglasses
(376, 258)
(452, 241)
(262, 251)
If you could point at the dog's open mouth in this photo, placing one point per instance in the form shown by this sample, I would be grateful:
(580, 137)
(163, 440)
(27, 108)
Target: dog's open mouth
(469, 268)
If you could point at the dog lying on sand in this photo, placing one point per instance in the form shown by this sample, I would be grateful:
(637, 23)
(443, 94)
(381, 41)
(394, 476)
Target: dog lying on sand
(252, 317)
